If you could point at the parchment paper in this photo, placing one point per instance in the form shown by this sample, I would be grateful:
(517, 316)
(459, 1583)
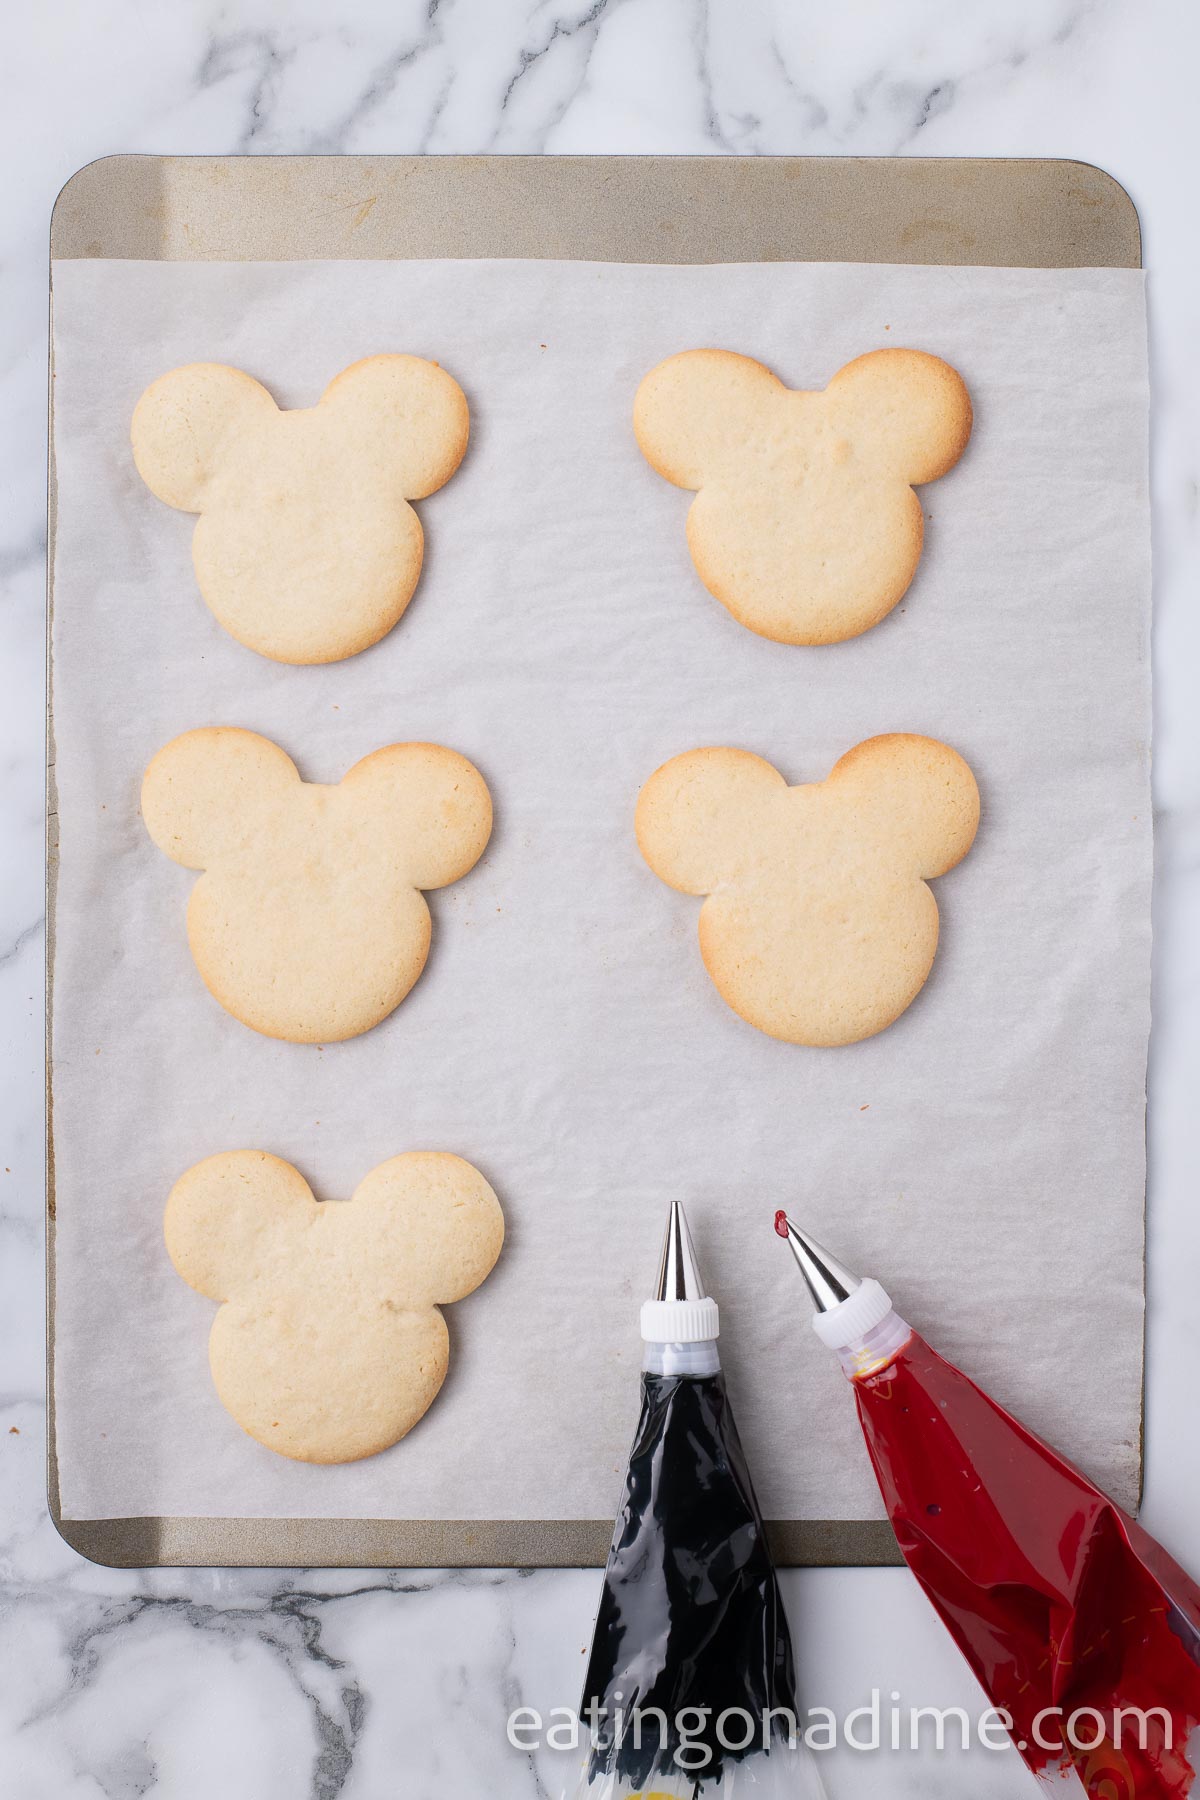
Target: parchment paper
(984, 1156)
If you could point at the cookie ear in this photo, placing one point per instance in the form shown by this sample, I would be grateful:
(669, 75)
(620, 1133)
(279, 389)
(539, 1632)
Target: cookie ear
(696, 408)
(432, 802)
(699, 816)
(921, 795)
(435, 1227)
(183, 424)
(410, 412)
(909, 410)
(230, 1220)
(212, 790)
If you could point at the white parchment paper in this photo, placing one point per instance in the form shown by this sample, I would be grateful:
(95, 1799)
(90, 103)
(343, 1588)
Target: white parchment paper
(984, 1156)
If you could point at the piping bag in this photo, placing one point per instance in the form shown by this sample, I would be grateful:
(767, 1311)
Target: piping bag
(1065, 1608)
(690, 1686)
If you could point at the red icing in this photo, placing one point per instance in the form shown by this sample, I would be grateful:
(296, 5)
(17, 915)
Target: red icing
(781, 1223)
(1055, 1596)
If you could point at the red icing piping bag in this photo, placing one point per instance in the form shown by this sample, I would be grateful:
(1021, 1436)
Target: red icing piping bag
(1078, 1625)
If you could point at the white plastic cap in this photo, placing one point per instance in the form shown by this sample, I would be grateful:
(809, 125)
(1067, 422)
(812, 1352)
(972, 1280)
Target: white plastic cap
(680, 1321)
(850, 1321)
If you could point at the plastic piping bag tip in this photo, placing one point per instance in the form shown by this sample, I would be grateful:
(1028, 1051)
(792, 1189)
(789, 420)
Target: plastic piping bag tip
(828, 1281)
(679, 1276)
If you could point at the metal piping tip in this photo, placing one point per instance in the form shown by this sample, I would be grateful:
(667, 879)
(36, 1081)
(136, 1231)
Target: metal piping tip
(829, 1281)
(679, 1276)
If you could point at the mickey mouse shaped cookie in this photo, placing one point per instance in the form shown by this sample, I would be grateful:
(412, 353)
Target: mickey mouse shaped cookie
(818, 926)
(805, 524)
(328, 1344)
(306, 547)
(308, 922)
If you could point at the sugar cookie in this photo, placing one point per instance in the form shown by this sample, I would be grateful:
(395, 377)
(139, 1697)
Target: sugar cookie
(818, 926)
(306, 548)
(805, 524)
(308, 922)
(328, 1345)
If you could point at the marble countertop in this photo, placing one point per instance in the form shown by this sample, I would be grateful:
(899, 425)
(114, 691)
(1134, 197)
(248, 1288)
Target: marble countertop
(273, 1685)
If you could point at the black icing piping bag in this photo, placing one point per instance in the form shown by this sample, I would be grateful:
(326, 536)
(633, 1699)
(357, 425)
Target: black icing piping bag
(690, 1687)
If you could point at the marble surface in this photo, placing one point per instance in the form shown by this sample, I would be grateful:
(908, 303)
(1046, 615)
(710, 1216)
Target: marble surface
(267, 1685)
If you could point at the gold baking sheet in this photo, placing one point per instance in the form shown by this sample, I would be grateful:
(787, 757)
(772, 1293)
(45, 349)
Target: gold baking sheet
(1016, 213)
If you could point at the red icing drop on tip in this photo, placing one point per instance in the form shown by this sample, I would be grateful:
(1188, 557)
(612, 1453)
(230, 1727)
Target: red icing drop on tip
(781, 1224)
(1057, 1598)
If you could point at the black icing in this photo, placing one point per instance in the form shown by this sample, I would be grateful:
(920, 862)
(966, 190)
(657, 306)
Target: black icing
(690, 1614)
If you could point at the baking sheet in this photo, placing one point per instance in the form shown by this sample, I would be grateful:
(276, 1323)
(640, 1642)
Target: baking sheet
(985, 1155)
